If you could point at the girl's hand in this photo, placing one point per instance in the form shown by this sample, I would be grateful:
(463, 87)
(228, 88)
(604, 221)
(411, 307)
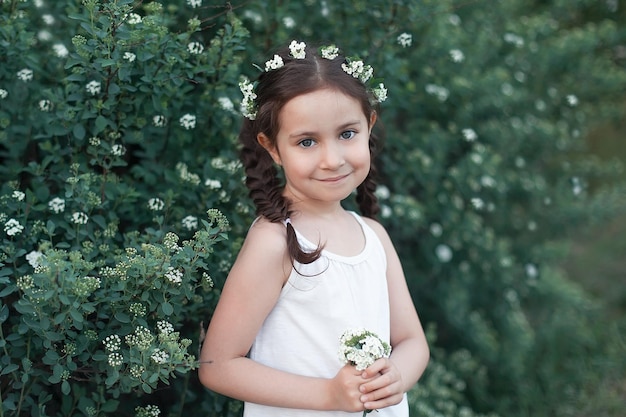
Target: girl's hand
(383, 386)
(344, 389)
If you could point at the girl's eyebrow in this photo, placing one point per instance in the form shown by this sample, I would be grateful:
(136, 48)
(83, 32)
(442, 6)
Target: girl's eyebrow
(312, 133)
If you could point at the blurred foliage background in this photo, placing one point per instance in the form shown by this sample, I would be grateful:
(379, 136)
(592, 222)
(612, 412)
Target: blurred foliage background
(122, 203)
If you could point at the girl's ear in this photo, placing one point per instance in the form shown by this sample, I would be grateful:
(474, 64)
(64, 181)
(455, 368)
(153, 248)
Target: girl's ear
(266, 143)
(373, 118)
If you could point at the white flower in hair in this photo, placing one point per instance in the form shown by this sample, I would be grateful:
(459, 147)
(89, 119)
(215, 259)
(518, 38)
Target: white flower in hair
(329, 52)
(297, 49)
(274, 63)
(380, 93)
(247, 104)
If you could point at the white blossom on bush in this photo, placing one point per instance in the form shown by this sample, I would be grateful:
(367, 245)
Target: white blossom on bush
(94, 141)
(44, 35)
(93, 87)
(45, 105)
(572, 100)
(159, 356)
(79, 218)
(444, 253)
(226, 103)
(469, 134)
(60, 50)
(188, 121)
(436, 230)
(405, 39)
(440, 92)
(159, 120)
(457, 55)
(148, 411)
(25, 74)
(165, 327)
(195, 48)
(18, 195)
(156, 204)
(12, 227)
(118, 150)
(194, 3)
(289, 22)
(190, 222)
(115, 359)
(3, 93)
(133, 18)
(33, 258)
(213, 184)
(57, 205)
(129, 56)
(173, 275)
(48, 19)
(112, 343)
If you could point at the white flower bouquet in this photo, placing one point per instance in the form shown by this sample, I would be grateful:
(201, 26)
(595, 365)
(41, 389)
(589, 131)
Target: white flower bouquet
(361, 348)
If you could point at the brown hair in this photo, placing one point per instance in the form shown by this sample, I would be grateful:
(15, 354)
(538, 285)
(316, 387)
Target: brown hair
(274, 89)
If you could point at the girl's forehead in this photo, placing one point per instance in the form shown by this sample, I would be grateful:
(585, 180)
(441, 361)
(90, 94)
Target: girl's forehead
(324, 100)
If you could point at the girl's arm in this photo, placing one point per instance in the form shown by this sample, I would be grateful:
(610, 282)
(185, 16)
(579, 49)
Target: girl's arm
(249, 294)
(410, 352)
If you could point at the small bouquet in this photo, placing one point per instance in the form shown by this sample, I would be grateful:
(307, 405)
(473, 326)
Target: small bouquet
(361, 348)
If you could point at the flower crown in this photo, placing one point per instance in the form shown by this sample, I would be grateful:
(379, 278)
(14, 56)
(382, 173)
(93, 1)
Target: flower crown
(353, 66)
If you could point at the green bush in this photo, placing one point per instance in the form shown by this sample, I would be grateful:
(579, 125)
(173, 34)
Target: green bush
(120, 186)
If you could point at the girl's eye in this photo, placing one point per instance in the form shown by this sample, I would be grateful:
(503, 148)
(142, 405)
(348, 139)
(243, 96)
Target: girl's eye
(348, 134)
(306, 143)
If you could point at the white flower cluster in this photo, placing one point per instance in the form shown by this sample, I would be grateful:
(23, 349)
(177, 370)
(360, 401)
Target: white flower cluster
(118, 150)
(148, 411)
(159, 356)
(141, 338)
(248, 107)
(175, 276)
(79, 218)
(190, 222)
(60, 50)
(358, 69)
(297, 49)
(156, 204)
(329, 52)
(3, 93)
(195, 48)
(405, 39)
(18, 195)
(34, 258)
(159, 120)
(115, 359)
(275, 63)
(112, 343)
(25, 74)
(194, 3)
(133, 18)
(188, 121)
(165, 327)
(57, 205)
(93, 87)
(45, 105)
(12, 227)
(129, 56)
(362, 348)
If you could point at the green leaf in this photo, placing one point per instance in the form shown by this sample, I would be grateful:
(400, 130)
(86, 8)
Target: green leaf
(167, 308)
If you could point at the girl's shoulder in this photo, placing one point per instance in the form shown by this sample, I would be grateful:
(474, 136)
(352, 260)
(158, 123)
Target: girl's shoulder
(378, 228)
(267, 231)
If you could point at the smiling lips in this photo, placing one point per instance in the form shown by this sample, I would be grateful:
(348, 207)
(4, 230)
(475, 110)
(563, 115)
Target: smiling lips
(334, 179)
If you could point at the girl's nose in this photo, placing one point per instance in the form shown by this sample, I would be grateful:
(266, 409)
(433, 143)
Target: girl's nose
(333, 156)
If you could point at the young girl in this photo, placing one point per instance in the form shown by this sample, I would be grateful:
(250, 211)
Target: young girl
(309, 269)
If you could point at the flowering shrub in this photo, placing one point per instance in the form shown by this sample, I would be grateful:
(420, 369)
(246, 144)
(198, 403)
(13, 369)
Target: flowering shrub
(112, 233)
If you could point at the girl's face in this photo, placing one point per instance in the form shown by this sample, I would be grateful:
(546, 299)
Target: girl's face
(322, 145)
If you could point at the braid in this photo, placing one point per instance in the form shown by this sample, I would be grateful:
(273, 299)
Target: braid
(266, 189)
(366, 191)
